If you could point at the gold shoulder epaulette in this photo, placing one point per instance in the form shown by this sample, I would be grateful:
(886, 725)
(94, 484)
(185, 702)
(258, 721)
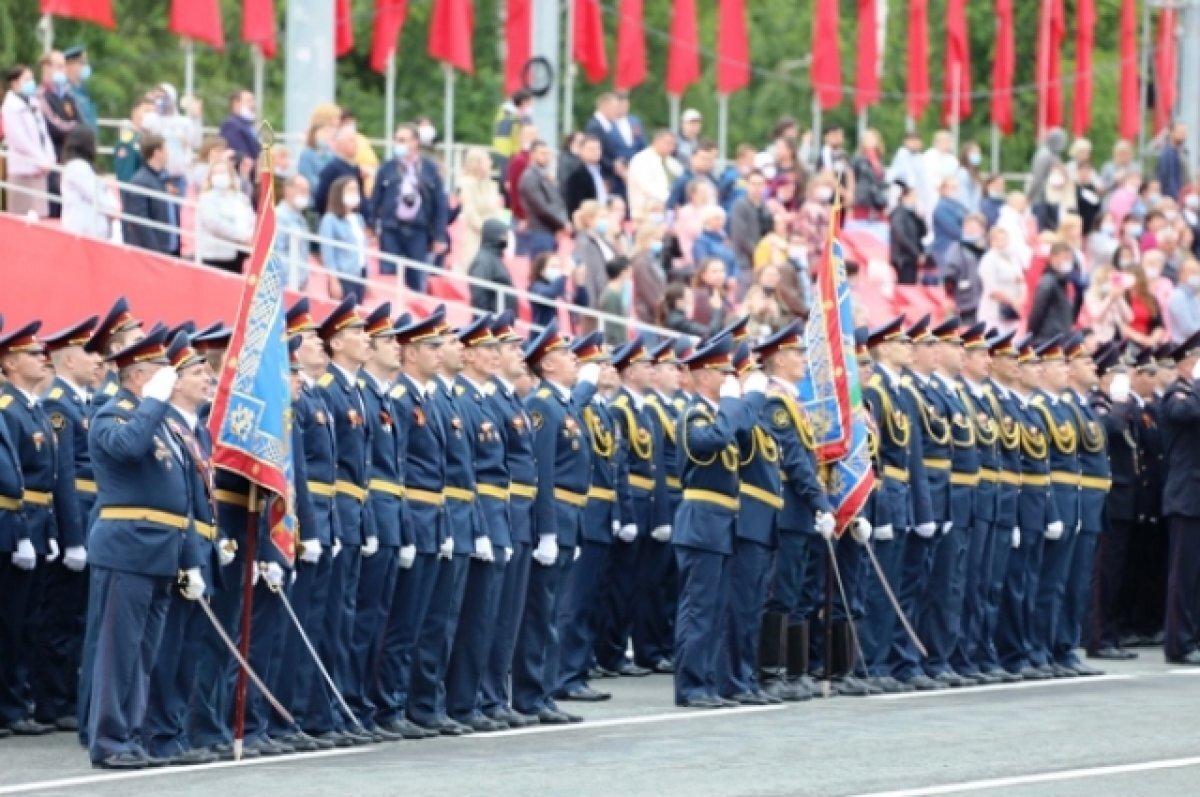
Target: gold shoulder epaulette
(326, 379)
(55, 393)
(124, 404)
(1037, 400)
(680, 404)
(622, 401)
(398, 391)
(459, 390)
(489, 389)
(545, 393)
(362, 384)
(875, 381)
(5, 401)
(110, 389)
(906, 380)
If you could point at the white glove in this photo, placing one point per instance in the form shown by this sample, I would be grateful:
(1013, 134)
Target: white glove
(824, 524)
(589, 373)
(272, 573)
(949, 524)
(755, 383)
(507, 555)
(193, 582)
(24, 557)
(616, 528)
(1196, 370)
(1078, 526)
(628, 533)
(546, 552)
(75, 558)
(926, 530)
(160, 385)
(730, 388)
(483, 549)
(1054, 531)
(884, 533)
(1016, 540)
(312, 552)
(337, 547)
(662, 533)
(578, 553)
(53, 555)
(371, 546)
(447, 548)
(1120, 388)
(860, 530)
(408, 555)
(227, 550)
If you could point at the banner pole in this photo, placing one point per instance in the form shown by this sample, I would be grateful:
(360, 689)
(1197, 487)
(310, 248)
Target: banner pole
(249, 562)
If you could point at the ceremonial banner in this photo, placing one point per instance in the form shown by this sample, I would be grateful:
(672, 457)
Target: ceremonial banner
(250, 417)
(830, 393)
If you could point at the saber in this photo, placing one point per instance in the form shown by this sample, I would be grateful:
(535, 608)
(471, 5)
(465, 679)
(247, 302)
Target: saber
(837, 575)
(887, 588)
(313, 652)
(216, 624)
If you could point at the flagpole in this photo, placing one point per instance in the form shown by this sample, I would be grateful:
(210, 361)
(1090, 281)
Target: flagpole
(389, 96)
(46, 28)
(249, 562)
(259, 76)
(568, 95)
(673, 111)
(995, 148)
(1043, 76)
(1144, 98)
(448, 122)
(723, 127)
(816, 127)
(189, 69)
(862, 123)
(955, 103)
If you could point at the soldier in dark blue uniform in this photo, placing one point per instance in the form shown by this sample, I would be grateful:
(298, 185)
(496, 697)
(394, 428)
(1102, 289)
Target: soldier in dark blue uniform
(706, 525)
(587, 606)
(422, 522)
(563, 457)
(1181, 505)
(118, 329)
(139, 547)
(17, 558)
(517, 559)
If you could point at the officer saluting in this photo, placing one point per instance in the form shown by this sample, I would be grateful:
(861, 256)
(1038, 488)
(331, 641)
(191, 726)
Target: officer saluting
(119, 328)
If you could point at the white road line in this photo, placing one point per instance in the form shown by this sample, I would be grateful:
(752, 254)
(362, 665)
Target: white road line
(108, 777)
(1045, 777)
(674, 716)
(983, 690)
(1185, 671)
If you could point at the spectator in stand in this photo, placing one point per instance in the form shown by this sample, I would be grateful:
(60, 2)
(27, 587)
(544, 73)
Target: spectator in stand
(344, 248)
(678, 309)
(763, 305)
(548, 282)
(748, 223)
(603, 127)
(630, 129)
(948, 217)
(569, 160)
(616, 299)
(587, 182)
(1088, 201)
(713, 243)
(1108, 311)
(710, 287)
(317, 152)
(1079, 156)
(870, 179)
(649, 274)
(160, 235)
(409, 208)
(906, 166)
(364, 154)
(1145, 328)
(832, 154)
(1173, 254)
(479, 200)
(970, 177)
(701, 166)
(786, 127)
(517, 165)
(545, 211)
(1058, 199)
(960, 269)
(992, 199)
(1053, 312)
(1124, 257)
(58, 109)
(281, 169)
(224, 220)
(212, 149)
(1102, 242)
(789, 174)
(618, 235)
(689, 223)
(79, 71)
(1016, 219)
(87, 206)
(488, 265)
(1173, 161)
(1002, 284)
(182, 132)
(345, 147)
(906, 237)
(938, 163)
(513, 115)
(30, 154)
(1191, 217)
(592, 251)
(291, 230)
(813, 218)
(127, 157)
(652, 174)
(1183, 308)
(238, 131)
(773, 248)
(1047, 158)
(1122, 165)
(688, 138)
(733, 178)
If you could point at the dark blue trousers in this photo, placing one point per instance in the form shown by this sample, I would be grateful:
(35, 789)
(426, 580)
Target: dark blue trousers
(942, 610)
(130, 611)
(968, 656)
(426, 693)
(1020, 582)
(1183, 588)
(1078, 600)
(535, 659)
(494, 691)
(211, 716)
(63, 616)
(1047, 615)
(376, 591)
(791, 564)
(652, 611)
(164, 733)
(699, 622)
(414, 590)
(409, 242)
(880, 617)
(578, 612)
(1104, 629)
(904, 660)
(302, 681)
(747, 577)
(852, 562)
(474, 636)
(617, 599)
(15, 588)
(998, 550)
(268, 636)
(339, 627)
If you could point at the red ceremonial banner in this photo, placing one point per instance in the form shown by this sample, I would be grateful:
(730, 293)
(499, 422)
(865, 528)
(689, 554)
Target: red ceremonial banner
(918, 58)
(518, 43)
(1166, 66)
(826, 58)
(956, 104)
(258, 25)
(98, 11)
(1130, 101)
(631, 46)
(390, 16)
(1085, 35)
(866, 69)
(199, 20)
(683, 54)
(589, 40)
(1004, 65)
(451, 31)
(733, 47)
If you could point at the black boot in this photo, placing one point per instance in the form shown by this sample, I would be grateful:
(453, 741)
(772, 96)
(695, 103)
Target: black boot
(797, 661)
(772, 654)
(842, 669)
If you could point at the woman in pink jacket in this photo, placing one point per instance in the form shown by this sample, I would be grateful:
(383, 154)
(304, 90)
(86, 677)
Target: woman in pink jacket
(30, 151)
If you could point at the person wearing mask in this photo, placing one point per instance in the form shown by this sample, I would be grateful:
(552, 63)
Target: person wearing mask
(1046, 159)
(182, 132)
(1053, 312)
(545, 210)
(992, 199)
(479, 200)
(678, 307)
(713, 243)
(1105, 302)
(31, 154)
(1122, 165)
(948, 217)
(651, 175)
(547, 282)
(1002, 285)
(1173, 160)
(161, 235)
(317, 151)
(79, 71)
(588, 181)
(1183, 308)
(748, 224)
(870, 179)
(688, 139)
(970, 177)
(592, 251)
(960, 269)
(291, 230)
(1058, 199)
(489, 265)
(813, 218)
(1102, 243)
(58, 108)
(649, 273)
(344, 252)
(88, 207)
(239, 133)
(709, 287)
(907, 235)
(224, 220)
(1145, 327)
(409, 208)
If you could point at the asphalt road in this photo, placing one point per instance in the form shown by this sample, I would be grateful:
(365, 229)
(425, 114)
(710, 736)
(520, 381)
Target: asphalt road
(1134, 733)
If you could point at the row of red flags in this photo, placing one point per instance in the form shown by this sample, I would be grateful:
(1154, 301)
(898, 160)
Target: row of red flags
(452, 26)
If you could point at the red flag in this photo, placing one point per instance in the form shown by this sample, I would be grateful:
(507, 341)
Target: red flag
(1003, 67)
(98, 11)
(451, 31)
(1166, 66)
(918, 58)
(733, 47)
(958, 63)
(589, 40)
(258, 25)
(518, 43)
(683, 56)
(1130, 99)
(631, 46)
(389, 21)
(866, 70)
(343, 40)
(1085, 37)
(826, 60)
(1051, 30)
(199, 20)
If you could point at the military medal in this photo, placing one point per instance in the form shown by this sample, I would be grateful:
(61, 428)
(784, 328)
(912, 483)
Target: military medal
(385, 419)
(518, 423)
(320, 416)
(456, 424)
(355, 418)
(419, 416)
(38, 439)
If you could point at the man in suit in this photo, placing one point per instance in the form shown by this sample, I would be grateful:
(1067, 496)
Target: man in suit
(588, 181)
(408, 208)
(545, 211)
(161, 233)
(603, 126)
(240, 135)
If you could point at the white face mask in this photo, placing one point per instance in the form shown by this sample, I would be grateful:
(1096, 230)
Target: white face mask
(149, 120)
(301, 202)
(221, 182)
(248, 113)
(351, 201)
(426, 134)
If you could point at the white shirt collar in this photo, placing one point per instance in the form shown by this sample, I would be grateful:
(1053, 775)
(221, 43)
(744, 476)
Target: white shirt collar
(787, 386)
(563, 392)
(712, 404)
(351, 377)
(190, 418)
(30, 398)
(892, 377)
(380, 384)
(508, 387)
(82, 393)
(607, 125)
(447, 382)
(639, 399)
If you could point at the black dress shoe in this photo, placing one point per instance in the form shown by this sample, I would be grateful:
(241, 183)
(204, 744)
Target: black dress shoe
(1034, 674)
(1062, 671)
(702, 702)
(1112, 654)
(584, 694)
(359, 737)
(28, 727)
(384, 735)
(266, 747)
(923, 683)
(630, 670)
(338, 739)
(664, 666)
(513, 718)
(125, 761)
(154, 762)
(849, 686)
(5, 733)
(1085, 670)
(950, 678)
(406, 729)
(747, 699)
(986, 678)
(770, 700)
(602, 672)
(224, 752)
(1007, 677)
(193, 757)
(726, 703)
(303, 743)
(549, 716)
(572, 718)
(1191, 659)
(66, 724)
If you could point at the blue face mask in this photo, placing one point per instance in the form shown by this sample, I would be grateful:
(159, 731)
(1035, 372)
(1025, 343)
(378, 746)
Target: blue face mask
(400, 151)
(28, 88)
(59, 78)
(85, 74)
(656, 248)
(602, 226)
